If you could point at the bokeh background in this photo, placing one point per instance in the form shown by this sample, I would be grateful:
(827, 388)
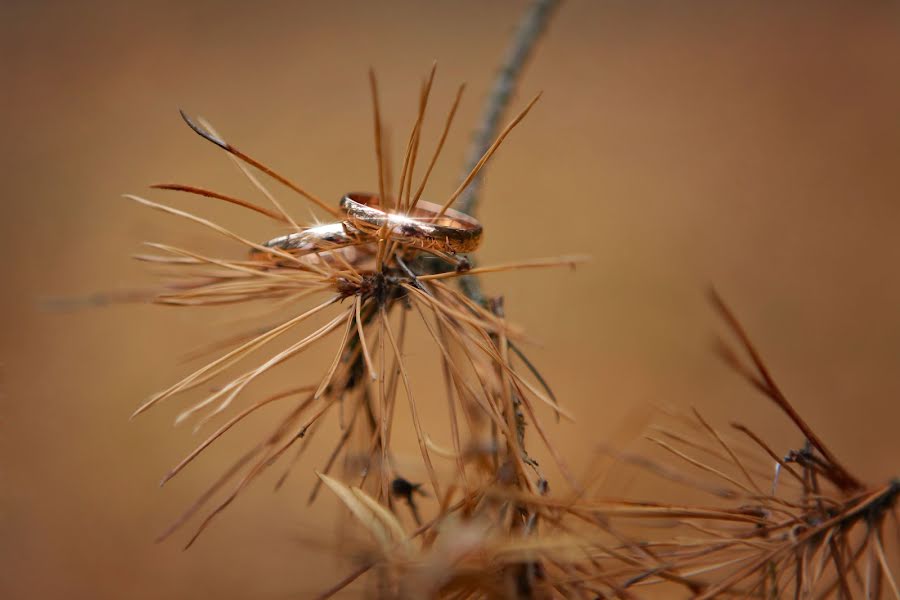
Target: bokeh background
(750, 146)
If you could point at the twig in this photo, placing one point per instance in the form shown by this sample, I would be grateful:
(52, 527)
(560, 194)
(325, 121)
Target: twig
(530, 29)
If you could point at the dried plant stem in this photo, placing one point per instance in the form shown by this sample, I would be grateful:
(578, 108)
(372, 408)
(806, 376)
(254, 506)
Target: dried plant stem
(532, 25)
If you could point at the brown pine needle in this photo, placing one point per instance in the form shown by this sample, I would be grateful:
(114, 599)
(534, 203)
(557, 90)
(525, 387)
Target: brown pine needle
(487, 155)
(412, 145)
(794, 543)
(252, 161)
(394, 381)
(367, 357)
(420, 434)
(454, 423)
(314, 419)
(701, 465)
(450, 312)
(235, 387)
(382, 409)
(242, 484)
(457, 393)
(379, 143)
(166, 260)
(199, 258)
(210, 370)
(727, 448)
(768, 450)
(473, 306)
(489, 409)
(498, 360)
(882, 559)
(254, 181)
(214, 227)
(282, 432)
(221, 344)
(326, 381)
(539, 263)
(507, 430)
(177, 187)
(231, 422)
(844, 478)
(331, 458)
(440, 146)
(209, 493)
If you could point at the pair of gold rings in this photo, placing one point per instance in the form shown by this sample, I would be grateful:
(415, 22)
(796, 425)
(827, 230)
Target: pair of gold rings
(424, 228)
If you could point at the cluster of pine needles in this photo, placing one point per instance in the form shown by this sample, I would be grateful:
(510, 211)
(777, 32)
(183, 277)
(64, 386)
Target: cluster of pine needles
(798, 525)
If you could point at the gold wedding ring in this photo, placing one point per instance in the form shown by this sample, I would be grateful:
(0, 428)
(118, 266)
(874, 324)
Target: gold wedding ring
(451, 233)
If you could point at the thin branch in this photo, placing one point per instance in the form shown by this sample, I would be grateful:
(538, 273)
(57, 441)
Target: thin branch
(530, 29)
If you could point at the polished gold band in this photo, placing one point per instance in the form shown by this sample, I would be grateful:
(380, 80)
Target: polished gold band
(451, 233)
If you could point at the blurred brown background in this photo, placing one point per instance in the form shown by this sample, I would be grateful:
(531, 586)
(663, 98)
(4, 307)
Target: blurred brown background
(753, 146)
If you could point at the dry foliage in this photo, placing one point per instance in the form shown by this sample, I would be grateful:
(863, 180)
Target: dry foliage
(800, 525)
(373, 283)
